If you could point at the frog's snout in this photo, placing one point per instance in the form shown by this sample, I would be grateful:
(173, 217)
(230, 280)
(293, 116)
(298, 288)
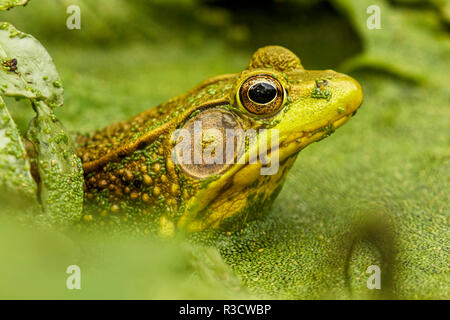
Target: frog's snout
(354, 94)
(345, 93)
(321, 104)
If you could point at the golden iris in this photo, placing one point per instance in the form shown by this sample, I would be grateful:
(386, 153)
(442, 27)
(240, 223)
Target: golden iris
(261, 94)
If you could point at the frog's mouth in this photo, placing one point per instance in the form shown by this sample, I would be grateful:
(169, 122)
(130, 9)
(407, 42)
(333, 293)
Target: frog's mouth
(293, 145)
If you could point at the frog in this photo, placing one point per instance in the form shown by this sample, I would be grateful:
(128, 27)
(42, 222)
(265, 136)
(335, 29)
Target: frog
(138, 178)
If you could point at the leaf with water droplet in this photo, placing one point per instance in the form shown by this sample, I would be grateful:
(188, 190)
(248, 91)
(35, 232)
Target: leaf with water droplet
(15, 176)
(60, 169)
(26, 68)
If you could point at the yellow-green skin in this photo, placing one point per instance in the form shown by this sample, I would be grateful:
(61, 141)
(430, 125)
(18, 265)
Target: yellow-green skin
(130, 178)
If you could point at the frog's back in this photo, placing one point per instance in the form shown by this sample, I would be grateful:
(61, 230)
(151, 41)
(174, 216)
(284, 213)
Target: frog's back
(120, 139)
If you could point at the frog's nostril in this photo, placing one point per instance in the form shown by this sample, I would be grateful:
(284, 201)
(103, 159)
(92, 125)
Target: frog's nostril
(354, 94)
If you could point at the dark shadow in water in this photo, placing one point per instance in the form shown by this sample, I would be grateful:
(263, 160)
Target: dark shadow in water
(379, 234)
(318, 33)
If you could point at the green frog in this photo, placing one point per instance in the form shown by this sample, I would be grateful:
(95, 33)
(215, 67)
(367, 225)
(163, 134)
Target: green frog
(217, 155)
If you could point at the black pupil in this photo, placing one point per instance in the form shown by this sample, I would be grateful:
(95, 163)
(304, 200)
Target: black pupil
(262, 92)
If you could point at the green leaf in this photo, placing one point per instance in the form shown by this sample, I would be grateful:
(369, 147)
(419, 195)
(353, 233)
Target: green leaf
(408, 44)
(8, 4)
(60, 169)
(27, 71)
(26, 68)
(15, 174)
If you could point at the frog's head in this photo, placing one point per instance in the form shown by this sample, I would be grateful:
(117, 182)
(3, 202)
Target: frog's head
(274, 96)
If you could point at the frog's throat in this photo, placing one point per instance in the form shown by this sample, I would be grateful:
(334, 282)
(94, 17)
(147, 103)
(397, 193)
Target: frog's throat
(243, 175)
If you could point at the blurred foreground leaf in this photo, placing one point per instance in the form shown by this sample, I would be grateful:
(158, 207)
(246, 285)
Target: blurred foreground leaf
(34, 264)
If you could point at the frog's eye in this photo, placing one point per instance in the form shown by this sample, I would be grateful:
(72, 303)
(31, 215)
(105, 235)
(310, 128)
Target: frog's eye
(261, 95)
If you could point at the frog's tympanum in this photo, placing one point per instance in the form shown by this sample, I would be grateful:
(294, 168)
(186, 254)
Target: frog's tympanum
(158, 171)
